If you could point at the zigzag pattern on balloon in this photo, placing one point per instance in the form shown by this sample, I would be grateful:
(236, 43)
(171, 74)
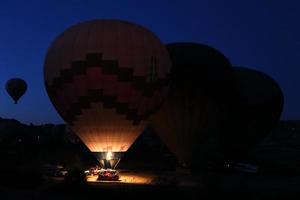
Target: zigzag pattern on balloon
(98, 80)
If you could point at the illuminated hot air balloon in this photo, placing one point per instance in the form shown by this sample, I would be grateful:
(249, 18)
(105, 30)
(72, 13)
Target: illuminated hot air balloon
(16, 88)
(200, 93)
(256, 111)
(105, 78)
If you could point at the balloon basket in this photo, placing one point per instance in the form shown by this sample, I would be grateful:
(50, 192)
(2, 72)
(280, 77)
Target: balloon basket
(108, 175)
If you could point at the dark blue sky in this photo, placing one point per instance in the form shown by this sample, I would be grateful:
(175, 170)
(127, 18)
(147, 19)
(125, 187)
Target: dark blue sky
(261, 34)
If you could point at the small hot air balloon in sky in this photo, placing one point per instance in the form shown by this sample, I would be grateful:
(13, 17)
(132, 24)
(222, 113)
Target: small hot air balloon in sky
(201, 89)
(256, 112)
(105, 78)
(16, 88)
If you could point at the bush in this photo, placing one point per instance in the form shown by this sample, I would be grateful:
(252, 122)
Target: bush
(29, 176)
(75, 177)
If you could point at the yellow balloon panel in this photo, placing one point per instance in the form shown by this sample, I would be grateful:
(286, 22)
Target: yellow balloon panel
(102, 130)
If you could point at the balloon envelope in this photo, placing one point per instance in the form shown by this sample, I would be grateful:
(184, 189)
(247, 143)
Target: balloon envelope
(16, 88)
(105, 78)
(200, 91)
(256, 111)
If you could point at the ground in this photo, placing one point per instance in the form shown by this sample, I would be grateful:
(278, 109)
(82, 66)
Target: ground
(151, 185)
(128, 177)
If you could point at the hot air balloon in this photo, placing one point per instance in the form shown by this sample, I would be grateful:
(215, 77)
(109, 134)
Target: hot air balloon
(201, 89)
(256, 111)
(105, 78)
(16, 88)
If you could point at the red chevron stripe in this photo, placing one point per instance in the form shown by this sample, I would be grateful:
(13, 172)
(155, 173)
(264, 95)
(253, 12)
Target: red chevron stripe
(95, 79)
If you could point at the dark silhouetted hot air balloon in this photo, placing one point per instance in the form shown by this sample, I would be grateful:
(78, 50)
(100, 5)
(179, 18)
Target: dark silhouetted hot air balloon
(200, 93)
(257, 110)
(16, 87)
(105, 78)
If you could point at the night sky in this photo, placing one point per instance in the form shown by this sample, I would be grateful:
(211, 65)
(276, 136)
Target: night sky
(260, 34)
